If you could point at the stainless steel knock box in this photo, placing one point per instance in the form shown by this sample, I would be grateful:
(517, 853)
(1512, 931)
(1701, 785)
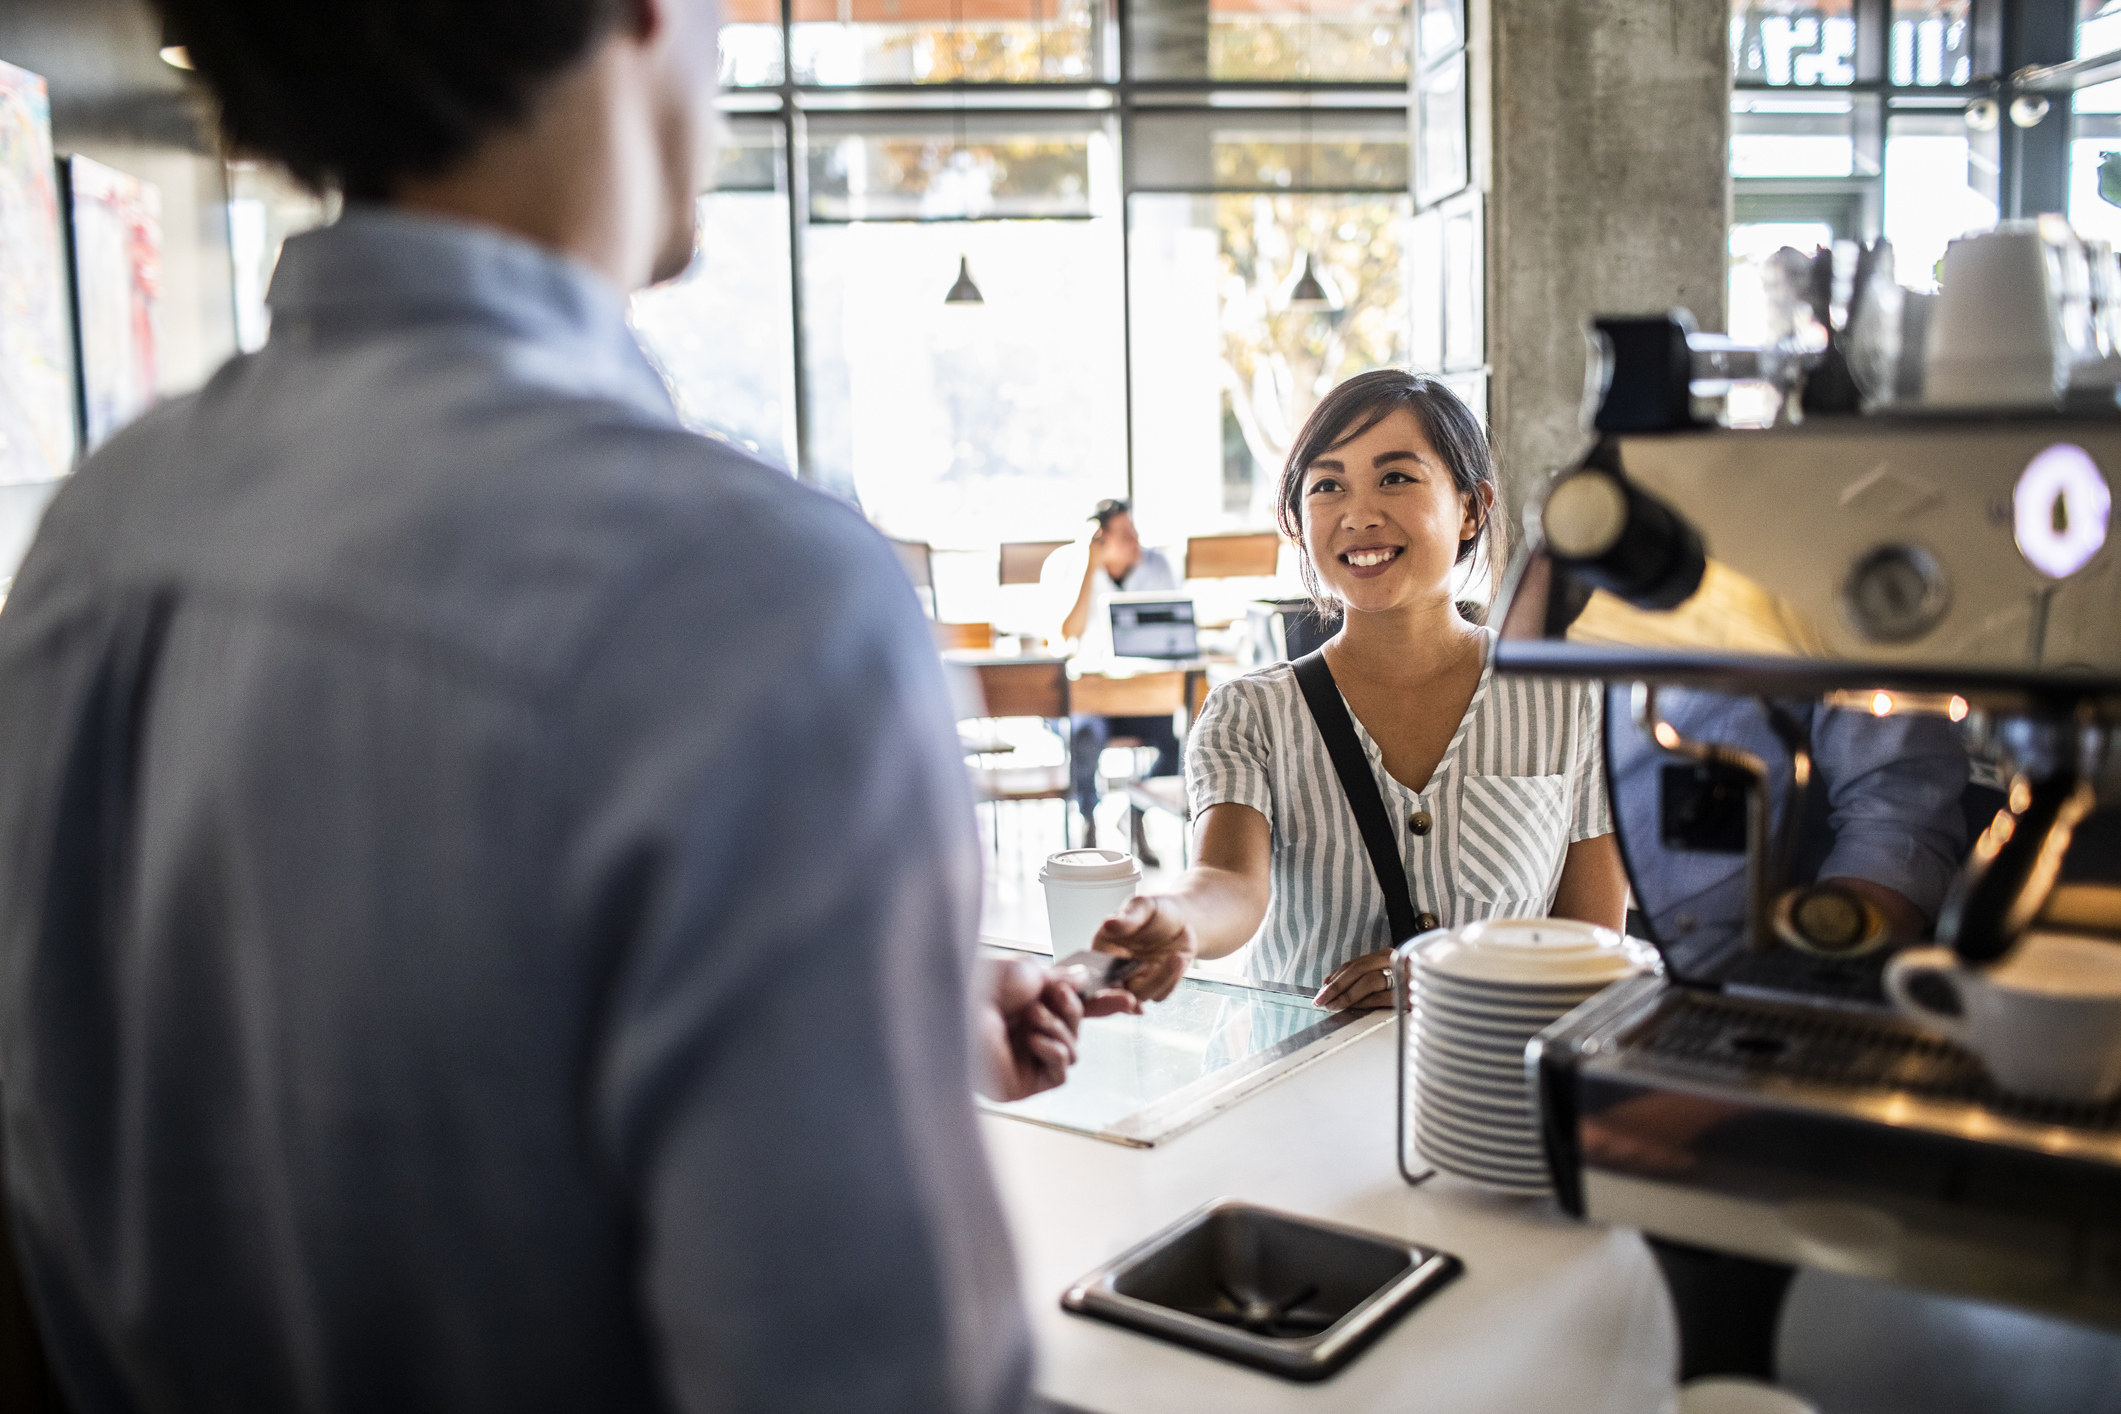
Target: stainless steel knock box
(1294, 1296)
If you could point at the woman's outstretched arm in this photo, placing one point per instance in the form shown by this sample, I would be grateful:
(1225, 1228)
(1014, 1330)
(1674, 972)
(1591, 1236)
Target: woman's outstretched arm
(1212, 911)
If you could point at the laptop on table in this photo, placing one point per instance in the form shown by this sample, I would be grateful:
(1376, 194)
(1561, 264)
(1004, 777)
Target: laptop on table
(1156, 627)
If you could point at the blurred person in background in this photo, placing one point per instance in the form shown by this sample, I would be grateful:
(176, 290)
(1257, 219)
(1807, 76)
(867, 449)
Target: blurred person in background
(1080, 580)
(488, 905)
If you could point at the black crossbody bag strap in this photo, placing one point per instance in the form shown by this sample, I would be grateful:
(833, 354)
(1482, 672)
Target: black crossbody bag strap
(1359, 785)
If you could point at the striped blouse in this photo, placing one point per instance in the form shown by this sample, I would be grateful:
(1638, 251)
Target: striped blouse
(1522, 779)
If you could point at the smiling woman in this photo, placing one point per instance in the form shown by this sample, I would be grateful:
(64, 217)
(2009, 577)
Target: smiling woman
(1492, 789)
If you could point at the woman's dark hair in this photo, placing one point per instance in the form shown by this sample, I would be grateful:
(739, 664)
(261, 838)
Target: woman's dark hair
(359, 95)
(1360, 404)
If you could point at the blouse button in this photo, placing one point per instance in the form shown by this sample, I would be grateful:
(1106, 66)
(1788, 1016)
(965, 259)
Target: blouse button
(1420, 822)
(1427, 922)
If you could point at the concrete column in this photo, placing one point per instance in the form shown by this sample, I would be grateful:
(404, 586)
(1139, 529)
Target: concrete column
(1609, 191)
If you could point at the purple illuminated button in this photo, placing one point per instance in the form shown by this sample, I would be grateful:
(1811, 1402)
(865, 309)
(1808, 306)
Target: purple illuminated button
(2061, 509)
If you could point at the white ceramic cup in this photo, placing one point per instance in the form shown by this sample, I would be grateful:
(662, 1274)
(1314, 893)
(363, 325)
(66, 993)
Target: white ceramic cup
(1997, 336)
(2046, 1021)
(1084, 887)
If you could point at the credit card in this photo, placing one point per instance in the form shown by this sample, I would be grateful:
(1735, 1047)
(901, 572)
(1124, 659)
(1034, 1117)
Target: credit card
(1091, 971)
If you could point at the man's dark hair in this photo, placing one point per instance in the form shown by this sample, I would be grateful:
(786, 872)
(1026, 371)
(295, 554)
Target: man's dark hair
(1360, 404)
(1108, 510)
(360, 95)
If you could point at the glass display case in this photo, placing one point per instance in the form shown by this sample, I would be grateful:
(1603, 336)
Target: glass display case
(1145, 1079)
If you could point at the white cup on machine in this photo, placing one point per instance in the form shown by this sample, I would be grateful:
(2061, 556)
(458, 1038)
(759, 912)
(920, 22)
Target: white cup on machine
(1084, 887)
(2045, 1021)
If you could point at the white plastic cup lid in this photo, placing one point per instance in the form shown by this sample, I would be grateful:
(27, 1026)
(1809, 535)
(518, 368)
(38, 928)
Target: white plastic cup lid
(1535, 951)
(1089, 866)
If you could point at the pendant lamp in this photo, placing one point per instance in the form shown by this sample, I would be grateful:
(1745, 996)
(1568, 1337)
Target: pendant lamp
(1308, 287)
(964, 291)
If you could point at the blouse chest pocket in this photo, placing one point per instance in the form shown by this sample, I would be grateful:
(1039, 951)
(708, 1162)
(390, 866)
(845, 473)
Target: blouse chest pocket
(1512, 834)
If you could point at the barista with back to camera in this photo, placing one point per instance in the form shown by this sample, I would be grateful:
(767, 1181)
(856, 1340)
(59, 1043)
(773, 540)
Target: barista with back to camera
(1492, 786)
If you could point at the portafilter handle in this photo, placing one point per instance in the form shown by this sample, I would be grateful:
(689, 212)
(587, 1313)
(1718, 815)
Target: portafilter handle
(2013, 867)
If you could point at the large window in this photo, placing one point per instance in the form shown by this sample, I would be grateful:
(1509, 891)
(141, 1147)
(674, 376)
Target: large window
(1282, 41)
(721, 335)
(2096, 126)
(1231, 212)
(961, 424)
(964, 422)
(853, 42)
(1940, 183)
(1800, 42)
(751, 44)
(974, 267)
(1848, 122)
(1932, 43)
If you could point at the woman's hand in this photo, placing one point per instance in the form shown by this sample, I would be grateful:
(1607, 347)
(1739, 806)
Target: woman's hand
(1358, 985)
(1027, 1024)
(1152, 928)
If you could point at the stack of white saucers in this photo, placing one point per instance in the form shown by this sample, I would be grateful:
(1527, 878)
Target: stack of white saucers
(1480, 993)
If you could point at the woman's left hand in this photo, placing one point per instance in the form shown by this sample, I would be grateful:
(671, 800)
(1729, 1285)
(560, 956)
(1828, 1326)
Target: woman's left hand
(1364, 983)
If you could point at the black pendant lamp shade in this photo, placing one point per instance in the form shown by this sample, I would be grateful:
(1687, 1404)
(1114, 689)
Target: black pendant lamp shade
(964, 291)
(1308, 289)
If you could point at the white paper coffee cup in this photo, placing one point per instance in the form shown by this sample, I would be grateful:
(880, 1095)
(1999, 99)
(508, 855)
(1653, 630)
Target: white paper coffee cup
(1084, 887)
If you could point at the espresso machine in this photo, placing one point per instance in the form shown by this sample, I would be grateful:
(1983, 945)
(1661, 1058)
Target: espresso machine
(1863, 693)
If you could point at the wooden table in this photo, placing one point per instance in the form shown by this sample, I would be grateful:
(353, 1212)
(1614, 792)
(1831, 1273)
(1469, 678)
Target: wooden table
(1151, 692)
(1155, 693)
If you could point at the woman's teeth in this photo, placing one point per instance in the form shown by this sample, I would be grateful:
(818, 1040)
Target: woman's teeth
(1365, 559)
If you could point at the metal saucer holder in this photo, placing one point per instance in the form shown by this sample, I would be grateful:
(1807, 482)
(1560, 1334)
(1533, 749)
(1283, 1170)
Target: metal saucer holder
(1468, 1002)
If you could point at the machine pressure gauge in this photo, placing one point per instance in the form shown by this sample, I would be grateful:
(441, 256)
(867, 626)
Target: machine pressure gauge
(2059, 510)
(1896, 594)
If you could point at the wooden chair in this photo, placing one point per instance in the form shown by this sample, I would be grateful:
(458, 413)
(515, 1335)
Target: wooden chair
(1022, 562)
(1245, 555)
(1137, 695)
(919, 559)
(963, 637)
(1033, 687)
(1162, 795)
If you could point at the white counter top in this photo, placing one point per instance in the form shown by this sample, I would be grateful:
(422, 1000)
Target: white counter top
(1550, 1314)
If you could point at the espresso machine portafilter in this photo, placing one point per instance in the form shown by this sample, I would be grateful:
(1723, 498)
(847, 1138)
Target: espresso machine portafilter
(1864, 692)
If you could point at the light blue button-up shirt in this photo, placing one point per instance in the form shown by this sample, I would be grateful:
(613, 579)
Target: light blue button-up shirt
(486, 891)
(1884, 806)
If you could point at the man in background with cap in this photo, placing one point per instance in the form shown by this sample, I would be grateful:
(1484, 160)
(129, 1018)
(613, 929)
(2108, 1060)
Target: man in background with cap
(1080, 580)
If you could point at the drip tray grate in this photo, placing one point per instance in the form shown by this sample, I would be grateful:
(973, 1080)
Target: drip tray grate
(1838, 1048)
